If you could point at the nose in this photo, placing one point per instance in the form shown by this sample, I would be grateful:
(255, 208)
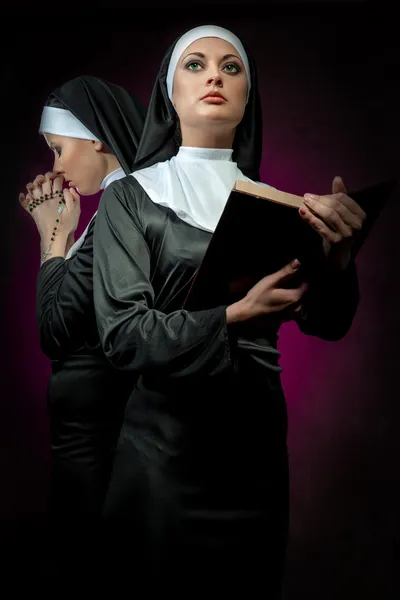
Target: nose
(214, 77)
(57, 167)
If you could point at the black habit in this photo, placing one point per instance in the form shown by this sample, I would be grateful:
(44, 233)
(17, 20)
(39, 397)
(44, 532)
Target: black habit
(198, 497)
(86, 395)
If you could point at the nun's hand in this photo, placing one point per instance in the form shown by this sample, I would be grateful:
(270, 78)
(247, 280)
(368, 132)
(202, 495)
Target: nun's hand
(52, 208)
(277, 296)
(336, 218)
(43, 188)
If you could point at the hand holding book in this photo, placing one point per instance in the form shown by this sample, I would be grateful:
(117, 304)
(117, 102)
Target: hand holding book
(269, 296)
(262, 230)
(336, 218)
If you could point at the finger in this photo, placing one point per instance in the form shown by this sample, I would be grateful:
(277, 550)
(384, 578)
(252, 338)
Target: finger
(351, 205)
(72, 199)
(285, 273)
(283, 298)
(46, 186)
(36, 189)
(29, 187)
(27, 202)
(38, 181)
(75, 195)
(58, 182)
(23, 200)
(339, 219)
(68, 197)
(298, 293)
(338, 186)
(36, 192)
(319, 226)
(339, 201)
(32, 203)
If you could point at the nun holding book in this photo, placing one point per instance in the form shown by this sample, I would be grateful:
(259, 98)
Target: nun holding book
(198, 498)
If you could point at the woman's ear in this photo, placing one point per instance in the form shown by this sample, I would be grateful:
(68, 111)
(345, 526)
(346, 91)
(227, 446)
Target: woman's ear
(98, 146)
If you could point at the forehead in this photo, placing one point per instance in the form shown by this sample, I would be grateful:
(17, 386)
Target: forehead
(211, 46)
(51, 138)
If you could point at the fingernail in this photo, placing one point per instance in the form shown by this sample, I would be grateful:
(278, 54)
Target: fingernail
(295, 264)
(302, 211)
(310, 197)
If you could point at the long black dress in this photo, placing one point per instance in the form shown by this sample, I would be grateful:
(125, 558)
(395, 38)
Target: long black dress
(86, 395)
(86, 398)
(200, 480)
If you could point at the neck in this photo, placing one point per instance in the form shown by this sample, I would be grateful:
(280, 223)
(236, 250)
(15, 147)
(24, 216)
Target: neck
(207, 138)
(111, 164)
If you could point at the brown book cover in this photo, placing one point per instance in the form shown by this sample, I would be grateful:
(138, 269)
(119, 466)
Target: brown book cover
(259, 232)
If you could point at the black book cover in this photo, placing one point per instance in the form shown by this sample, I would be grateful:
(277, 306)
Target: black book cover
(258, 235)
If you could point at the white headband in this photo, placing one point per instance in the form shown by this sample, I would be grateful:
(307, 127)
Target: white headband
(60, 121)
(196, 34)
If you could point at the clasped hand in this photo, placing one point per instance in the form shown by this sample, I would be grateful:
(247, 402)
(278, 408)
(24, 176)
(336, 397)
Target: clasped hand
(43, 200)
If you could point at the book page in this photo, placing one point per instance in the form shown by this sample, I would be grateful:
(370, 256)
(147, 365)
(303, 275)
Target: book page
(260, 191)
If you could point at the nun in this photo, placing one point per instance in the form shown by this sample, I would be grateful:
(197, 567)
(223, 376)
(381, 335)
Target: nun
(93, 128)
(200, 478)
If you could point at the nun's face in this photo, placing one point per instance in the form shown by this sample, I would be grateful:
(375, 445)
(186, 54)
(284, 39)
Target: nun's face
(79, 161)
(210, 85)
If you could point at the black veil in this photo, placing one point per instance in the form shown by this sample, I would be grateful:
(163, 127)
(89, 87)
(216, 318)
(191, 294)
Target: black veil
(110, 112)
(160, 140)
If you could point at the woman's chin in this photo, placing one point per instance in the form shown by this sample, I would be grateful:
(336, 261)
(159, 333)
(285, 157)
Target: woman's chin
(85, 191)
(217, 115)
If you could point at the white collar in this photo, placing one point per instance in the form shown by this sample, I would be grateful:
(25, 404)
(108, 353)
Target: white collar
(113, 176)
(195, 184)
(191, 153)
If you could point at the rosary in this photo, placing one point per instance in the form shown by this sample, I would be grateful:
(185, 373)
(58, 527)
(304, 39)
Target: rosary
(60, 208)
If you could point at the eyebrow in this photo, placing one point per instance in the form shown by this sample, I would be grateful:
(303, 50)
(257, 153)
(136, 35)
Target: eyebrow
(201, 55)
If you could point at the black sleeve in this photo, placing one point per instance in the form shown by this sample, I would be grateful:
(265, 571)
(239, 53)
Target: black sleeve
(330, 304)
(134, 335)
(64, 300)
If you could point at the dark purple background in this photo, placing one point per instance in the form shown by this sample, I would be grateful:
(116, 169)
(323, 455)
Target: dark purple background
(327, 79)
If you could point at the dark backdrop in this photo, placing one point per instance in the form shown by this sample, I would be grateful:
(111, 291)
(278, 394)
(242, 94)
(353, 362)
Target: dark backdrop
(328, 78)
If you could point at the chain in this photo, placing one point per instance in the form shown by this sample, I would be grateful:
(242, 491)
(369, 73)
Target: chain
(38, 201)
(60, 208)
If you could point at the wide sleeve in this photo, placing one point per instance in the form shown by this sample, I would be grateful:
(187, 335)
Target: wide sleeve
(330, 304)
(134, 335)
(64, 300)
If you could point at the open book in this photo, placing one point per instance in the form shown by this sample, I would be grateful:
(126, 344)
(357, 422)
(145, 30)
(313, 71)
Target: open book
(259, 232)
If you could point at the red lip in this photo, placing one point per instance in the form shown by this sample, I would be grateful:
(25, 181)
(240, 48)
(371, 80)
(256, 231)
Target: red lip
(213, 95)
